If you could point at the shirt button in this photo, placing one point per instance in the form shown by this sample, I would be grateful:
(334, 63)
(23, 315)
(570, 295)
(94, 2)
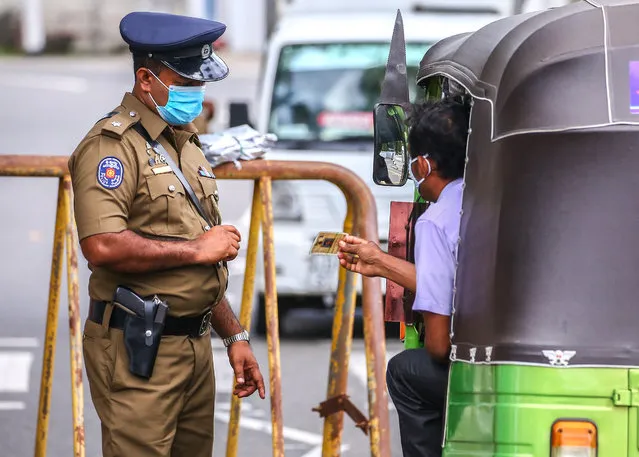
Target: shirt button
(171, 188)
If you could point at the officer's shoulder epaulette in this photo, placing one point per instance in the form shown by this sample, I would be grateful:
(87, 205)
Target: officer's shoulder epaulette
(115, 123)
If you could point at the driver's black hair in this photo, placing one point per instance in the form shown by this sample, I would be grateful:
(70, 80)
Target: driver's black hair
(440, 129)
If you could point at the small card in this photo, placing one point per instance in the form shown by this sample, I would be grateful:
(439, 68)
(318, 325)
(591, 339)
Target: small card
(327, 243)
(161, 169)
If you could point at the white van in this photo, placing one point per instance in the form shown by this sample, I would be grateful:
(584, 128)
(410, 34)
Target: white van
(320, 80)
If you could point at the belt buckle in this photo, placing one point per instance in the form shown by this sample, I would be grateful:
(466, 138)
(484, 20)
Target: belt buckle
(205, 323)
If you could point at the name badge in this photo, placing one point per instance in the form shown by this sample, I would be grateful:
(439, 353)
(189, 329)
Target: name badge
(162, 169)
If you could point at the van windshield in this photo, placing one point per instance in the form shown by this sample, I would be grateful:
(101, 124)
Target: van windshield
(324, 94)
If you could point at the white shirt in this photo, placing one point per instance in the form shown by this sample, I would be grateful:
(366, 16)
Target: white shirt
(436, 235)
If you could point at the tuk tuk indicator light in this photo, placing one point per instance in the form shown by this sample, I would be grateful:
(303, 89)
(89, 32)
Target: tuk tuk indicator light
(573, 438)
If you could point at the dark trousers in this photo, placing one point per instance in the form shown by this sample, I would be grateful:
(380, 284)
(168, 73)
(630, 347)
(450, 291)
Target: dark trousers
(417, 385)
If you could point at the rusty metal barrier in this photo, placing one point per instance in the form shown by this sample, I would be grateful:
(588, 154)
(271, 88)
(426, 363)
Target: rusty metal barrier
(65, 234)
(361, 219)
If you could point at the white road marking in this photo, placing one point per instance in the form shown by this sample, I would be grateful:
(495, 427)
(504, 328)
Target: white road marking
(224, 378)
(224, 383)
(258, 425)
(18, 342)
(317, 451)
(295, 447)
(14, 371)
(60, 83)
(12, 405)
(245, 408)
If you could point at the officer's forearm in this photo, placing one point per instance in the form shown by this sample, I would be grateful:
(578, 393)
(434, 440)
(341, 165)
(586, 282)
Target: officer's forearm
(223, 320)
(399, 271)
(128, 252)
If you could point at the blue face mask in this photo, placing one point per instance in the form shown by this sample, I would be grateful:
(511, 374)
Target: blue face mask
(184, 103)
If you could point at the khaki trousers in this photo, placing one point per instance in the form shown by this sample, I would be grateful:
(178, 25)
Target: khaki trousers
(169, 415)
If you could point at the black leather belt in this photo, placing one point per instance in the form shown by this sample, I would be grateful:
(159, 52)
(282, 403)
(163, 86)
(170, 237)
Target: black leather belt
(185, 326)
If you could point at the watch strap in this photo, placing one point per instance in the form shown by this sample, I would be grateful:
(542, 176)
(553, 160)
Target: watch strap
(242, 336)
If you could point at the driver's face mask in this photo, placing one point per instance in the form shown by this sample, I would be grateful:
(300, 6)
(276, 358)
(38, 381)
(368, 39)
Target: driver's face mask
(412, 176)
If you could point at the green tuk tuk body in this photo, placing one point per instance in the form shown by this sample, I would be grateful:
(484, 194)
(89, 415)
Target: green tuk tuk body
(510, 410)
(545, 340)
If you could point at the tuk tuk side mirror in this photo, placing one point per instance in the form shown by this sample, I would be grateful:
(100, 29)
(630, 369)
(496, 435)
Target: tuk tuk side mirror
(390, 160)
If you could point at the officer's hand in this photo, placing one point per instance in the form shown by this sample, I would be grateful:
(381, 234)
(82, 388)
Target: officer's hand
(247, 372)
(361, 256)
(221, 243)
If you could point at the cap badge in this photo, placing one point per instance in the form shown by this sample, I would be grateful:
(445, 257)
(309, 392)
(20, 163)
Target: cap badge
(206, 51)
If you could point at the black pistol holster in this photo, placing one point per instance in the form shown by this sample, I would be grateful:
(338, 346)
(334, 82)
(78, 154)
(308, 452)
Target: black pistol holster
(143, 326)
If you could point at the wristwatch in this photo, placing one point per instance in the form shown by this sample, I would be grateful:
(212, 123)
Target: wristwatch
(242, 336)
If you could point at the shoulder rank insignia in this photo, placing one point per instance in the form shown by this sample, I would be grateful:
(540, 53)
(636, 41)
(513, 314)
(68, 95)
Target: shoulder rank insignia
(117, 124)
(110, 173)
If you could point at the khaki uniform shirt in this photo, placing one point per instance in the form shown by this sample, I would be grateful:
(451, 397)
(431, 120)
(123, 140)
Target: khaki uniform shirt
(120, 183)
(201, 124)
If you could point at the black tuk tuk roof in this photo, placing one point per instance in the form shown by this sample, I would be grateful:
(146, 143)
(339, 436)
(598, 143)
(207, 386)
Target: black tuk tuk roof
(557, 69)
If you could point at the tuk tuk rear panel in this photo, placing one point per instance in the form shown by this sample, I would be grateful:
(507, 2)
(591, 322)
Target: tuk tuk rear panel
(509, 410)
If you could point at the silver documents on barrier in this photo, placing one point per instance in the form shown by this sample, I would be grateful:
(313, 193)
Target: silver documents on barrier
(236, 144)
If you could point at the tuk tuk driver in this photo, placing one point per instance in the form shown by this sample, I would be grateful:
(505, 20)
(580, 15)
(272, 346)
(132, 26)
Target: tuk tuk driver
(417, 378)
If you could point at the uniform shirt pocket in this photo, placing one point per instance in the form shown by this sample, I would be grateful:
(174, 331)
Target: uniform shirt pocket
(209, 189)
(166, 204)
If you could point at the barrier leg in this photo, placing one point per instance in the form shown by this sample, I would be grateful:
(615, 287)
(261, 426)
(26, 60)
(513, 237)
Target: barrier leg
(75, 332)
(48, 357)
(246, 309)
(272, 327)
(375, 343)
(340, 351)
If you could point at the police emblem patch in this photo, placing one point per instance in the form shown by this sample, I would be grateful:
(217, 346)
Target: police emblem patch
(110, 173)
(206, 51)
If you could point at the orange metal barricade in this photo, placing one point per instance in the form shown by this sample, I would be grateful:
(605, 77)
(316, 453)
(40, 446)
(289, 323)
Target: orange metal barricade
(361, 219)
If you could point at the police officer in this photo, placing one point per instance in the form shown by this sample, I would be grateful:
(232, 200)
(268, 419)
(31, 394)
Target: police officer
(140, 229)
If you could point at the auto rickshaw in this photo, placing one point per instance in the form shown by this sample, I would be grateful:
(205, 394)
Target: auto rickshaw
(545, 324)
